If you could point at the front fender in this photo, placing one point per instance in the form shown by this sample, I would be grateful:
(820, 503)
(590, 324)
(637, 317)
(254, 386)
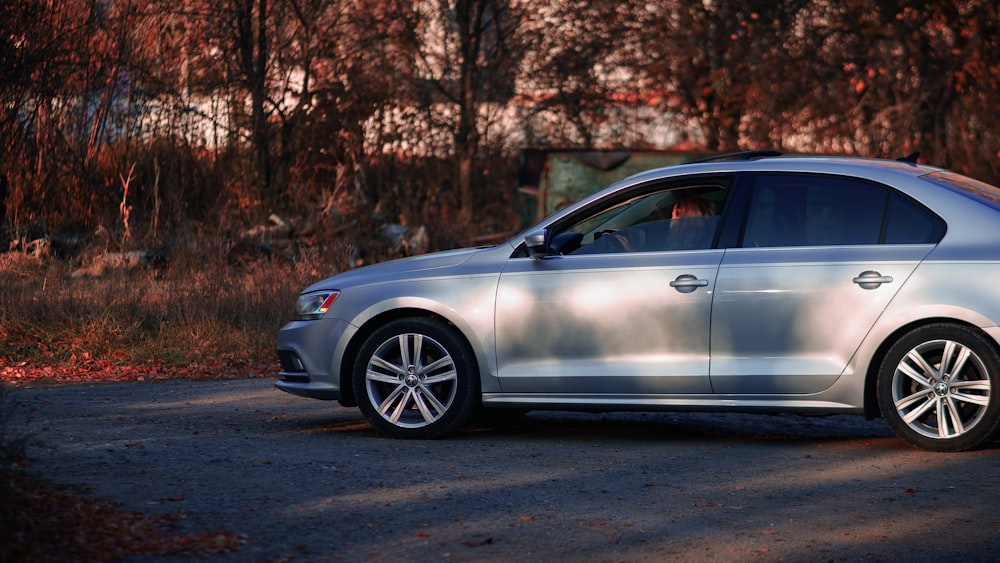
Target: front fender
(468, 303)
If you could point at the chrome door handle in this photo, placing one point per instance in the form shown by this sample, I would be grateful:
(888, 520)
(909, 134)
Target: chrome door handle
(870, 279)
(686, 283)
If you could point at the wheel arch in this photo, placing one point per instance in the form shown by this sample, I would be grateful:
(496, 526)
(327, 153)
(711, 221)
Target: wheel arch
(871, 375)
(374, 323)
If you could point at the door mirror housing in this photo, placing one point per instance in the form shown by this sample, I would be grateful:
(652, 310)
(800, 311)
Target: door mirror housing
(536, 244)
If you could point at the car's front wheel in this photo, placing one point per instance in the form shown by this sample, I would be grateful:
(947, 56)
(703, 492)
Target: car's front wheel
(939, 388)
(416, 378)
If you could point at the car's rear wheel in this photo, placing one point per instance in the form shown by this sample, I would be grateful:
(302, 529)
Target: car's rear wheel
(939, 388)
(416, 378)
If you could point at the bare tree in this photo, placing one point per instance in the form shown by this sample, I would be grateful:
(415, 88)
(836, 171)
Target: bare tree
(722, 65)
(66, 101)
(577, 69)
(233, 107)
(467, 52)
(917, 76)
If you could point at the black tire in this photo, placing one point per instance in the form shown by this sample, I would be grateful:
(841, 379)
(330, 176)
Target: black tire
(951, 409)
(416, 378)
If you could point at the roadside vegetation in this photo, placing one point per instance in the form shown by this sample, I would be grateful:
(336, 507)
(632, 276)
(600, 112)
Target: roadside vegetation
(186, 318)
(243, 149)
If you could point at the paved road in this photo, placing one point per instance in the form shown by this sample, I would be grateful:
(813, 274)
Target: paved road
(310, 480)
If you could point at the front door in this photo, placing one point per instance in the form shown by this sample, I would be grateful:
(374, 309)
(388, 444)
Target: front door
(623, 305)
(606, 324)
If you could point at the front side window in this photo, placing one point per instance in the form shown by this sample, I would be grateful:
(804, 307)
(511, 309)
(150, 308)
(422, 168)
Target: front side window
(676, 218)
(816, 210)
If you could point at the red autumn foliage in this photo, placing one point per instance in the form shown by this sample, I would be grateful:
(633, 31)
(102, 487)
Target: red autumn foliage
(92, 370)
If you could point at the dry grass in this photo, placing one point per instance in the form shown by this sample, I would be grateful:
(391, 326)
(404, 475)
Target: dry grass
(192, 309)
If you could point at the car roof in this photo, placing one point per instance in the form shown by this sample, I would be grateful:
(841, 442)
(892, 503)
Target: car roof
(772, 161)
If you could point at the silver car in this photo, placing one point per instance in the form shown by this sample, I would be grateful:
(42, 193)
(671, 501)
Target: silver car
(755, 283)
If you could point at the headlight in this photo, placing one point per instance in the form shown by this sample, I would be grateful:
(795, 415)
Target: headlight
(314, 305)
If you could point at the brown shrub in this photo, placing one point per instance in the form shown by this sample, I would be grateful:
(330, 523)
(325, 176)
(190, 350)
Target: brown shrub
(184, 311)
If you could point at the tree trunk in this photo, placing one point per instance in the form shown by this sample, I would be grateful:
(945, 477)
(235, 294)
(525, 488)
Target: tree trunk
(253, 44)
(469, 16)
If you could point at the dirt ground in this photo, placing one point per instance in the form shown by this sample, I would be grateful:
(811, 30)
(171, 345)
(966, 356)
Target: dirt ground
(311, 481)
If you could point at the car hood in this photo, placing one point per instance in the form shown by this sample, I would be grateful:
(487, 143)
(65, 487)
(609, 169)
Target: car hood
(432, 264)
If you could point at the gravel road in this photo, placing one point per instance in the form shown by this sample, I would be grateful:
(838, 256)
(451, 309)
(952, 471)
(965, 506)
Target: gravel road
(310, 481)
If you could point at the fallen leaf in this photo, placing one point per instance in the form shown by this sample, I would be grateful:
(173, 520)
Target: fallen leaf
(469, 543)
(56, 525)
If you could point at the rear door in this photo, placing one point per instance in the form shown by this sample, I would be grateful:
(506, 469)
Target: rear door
(819, 260)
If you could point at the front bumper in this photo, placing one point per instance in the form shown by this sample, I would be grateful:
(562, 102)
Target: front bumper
(311, 390)
(310, 354)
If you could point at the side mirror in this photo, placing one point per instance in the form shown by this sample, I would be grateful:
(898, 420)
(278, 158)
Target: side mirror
(535, 243)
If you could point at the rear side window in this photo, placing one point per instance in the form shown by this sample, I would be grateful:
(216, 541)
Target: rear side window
(818, 210)
(908, 222)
